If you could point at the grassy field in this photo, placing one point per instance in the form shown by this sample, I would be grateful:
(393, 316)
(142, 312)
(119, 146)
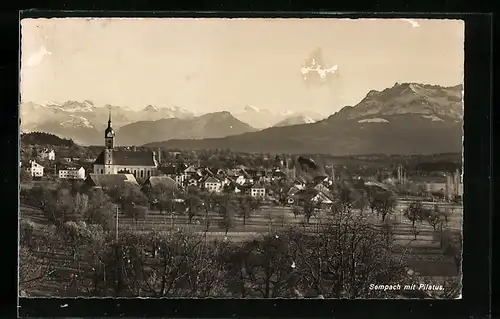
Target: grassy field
(425, 256)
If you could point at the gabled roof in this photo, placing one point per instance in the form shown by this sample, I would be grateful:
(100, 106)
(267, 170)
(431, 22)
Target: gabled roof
(195, 177)
(258, 185)
(35, 163)
(306, 194)
(121, 157)
(211, 179)
(190, 169)
(324, 198)
(278, 173)
(232, 173)
(294, 189)
(319, 179)
(111, 180)
(378, 185)
(164, 181)
(70, 167)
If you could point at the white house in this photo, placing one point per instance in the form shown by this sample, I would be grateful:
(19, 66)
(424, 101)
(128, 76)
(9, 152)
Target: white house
(258, 190)
(213, 185)
(241, 179)
(35, 169)
(72, 173)
(48, 155)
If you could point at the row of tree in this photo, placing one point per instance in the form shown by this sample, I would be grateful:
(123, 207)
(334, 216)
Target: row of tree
(339, 258)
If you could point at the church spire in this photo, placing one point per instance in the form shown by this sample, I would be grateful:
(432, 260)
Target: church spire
(109, 133)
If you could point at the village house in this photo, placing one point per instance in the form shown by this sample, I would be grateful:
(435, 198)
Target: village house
(164, 182)
(322, 179)
(322, 188)
(141, 164)
(277, 174)
(298, 182)
(72, 173)
(190, 170)
(241, 179)
(310, 195)
(47, 154)
(194, 180)
(226, 180)
(232, 188)
(258, 190)
(212, 184)
(176, 173)
(34, 169)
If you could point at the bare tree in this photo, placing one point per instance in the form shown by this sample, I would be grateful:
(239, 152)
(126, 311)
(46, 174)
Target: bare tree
(415, 212)
(383, 203)
(266, 268)
(226, 210)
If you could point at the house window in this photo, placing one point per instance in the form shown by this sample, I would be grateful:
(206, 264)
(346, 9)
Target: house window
(135, 172)
(102, 171)
(149, 173)
(142, 173)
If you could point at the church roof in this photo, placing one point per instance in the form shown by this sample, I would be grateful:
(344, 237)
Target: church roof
(138, 158)
(111, 180)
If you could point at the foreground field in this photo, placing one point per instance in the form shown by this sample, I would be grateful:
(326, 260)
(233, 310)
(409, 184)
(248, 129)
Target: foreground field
(425, 255)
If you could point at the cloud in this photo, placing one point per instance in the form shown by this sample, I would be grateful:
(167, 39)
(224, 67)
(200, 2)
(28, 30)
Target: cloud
(413, 22)
(37, 57)
(315, 71)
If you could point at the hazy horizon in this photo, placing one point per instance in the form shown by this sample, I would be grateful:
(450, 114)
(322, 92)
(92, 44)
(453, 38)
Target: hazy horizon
(208, 65)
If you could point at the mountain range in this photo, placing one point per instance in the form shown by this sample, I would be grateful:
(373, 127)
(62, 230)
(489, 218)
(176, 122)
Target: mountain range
(408, 118)
(211, 125)
(263, 118)
(295, 120)
(84, 122)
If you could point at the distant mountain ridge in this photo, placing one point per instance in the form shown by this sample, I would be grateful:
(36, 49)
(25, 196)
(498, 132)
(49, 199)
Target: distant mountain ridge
(263, 118)
(295, 120)
(84, 122)
(211, 125)
(408, 118)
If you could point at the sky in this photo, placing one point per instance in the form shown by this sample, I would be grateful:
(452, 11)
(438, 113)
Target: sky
(207, 65)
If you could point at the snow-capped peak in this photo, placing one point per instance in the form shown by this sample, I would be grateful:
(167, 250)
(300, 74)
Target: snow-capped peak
(308, 120)
(89, 104)
(288, 113)
(52, 103)
(295, 120)
(251, 108)
(77, 121)
(151, 108)
(73, 106)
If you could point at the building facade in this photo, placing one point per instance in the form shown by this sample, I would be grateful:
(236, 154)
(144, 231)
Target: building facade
(35, 169)
(141, 164)
(48, 155)
(258, 191)
(72, 173)
(212, 184)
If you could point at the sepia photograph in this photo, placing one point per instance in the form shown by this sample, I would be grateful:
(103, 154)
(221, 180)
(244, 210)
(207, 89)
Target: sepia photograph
(247, 158)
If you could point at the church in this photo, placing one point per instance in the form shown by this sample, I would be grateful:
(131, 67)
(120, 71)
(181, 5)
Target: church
(142, 164)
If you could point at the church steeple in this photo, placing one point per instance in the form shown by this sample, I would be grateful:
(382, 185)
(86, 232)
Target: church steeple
(109, 137)
(109, 134)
